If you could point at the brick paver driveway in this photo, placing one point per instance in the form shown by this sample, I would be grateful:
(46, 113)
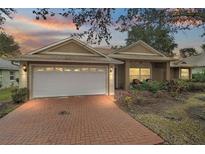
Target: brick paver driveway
(89, 120)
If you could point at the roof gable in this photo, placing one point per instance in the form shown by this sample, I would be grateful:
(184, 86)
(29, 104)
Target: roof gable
(139, 48)
(192, 61)
(68, 50)
(7, 65)
(69, 47)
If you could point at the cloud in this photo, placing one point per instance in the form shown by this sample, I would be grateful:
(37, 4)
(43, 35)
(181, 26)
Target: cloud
(51, 23)
(31, 40)
(31, 33)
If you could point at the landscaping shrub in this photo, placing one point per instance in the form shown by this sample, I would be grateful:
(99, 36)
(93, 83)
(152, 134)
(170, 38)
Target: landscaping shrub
(177, 86)
(174, 87)
(152, 86)
(195, 86)
(19, 95)
(199, 77)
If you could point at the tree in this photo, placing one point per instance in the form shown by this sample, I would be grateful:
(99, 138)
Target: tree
(8, 47)
(5, 13)
(203, 47)
(159, 38)
(187, 52)
(101, 20)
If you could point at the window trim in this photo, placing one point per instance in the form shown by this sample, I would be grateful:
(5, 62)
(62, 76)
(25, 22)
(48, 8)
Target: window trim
(12, 75)
(140, 74)
(181, 77)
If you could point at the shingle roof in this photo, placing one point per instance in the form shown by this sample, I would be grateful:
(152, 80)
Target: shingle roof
(105, 51)
(63, 58)
(123, 53)
(7, 65)
(193, 61)
(41, 55)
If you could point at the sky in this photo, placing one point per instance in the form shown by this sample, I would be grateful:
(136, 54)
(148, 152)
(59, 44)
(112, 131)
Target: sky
(32, 34)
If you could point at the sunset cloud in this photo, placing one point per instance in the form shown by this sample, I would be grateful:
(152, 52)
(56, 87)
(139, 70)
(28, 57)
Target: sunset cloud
(23, 38)
(52, 23)
(31, 33)
(29, 40)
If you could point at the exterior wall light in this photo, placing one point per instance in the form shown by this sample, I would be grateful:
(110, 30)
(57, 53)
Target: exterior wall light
(24, 68)
(111, 69)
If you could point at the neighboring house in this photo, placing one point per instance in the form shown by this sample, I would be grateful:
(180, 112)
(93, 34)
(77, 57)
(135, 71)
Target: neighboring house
(71, 67)
(9, 74)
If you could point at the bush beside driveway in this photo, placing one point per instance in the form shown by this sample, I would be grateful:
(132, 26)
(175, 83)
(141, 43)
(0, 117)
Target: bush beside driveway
(6, 104)
(11, 98)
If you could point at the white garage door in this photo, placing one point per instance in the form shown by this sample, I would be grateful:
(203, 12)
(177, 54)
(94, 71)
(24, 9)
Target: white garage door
(69, 81)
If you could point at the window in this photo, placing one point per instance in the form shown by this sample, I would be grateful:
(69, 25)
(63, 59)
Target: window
(12, 75)
(184, 73)
(139, 73)
(93, 69)
(77, 70)
(66, 69)
(49, 69)
(145, 73)
(84, 69)
(59, 69)
(134, 73)
(39, 69)
(101, 70)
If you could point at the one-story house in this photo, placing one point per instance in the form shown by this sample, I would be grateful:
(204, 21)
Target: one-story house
(9, 74)
(70, 67)
(196, 63)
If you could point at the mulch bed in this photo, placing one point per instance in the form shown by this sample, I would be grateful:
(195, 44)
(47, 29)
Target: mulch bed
(152, 101)
(6, 107)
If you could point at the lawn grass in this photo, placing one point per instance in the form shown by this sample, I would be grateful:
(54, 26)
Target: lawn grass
(6, 104)
(5, 95)
(175, 124)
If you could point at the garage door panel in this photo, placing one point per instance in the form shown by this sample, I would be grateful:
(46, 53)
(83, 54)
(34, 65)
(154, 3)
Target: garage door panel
(53, 83)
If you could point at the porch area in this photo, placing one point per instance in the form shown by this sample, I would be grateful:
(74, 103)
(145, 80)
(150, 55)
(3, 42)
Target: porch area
(140, 70)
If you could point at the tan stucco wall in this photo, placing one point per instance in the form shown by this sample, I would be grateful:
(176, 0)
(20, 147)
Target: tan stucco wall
(160, 71)
(111, 84)
(190, 73)
(120, 76)
(174, 73)
(23, 76)
(127, 66)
